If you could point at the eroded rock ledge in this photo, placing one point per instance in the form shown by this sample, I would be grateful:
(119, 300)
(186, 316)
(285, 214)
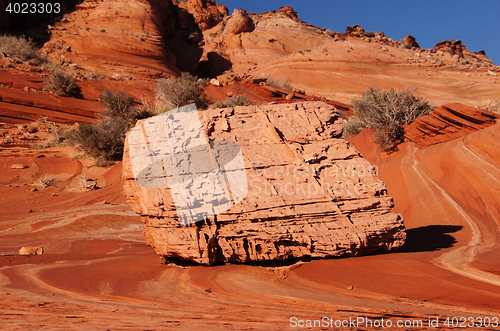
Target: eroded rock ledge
(309, 193)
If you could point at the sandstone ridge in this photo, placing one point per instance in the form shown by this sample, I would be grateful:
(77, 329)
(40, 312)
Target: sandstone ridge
(309, 193)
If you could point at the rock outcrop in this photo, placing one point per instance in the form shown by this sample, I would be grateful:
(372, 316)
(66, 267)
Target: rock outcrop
(449, 122)
(410, 41)
(31, 250)
(123, 37)
(205, 12)
(309, 192)
(452, 47)
(289, 11)
(238, 23)
(355, 31)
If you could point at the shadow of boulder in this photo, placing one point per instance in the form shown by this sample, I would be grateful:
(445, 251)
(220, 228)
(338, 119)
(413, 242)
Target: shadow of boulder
(430, 238)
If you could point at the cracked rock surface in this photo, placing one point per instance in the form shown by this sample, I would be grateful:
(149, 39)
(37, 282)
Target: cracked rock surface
(310, 193)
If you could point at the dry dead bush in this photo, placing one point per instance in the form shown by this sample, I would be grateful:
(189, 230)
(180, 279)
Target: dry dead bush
(48, 181)
(103, 140)
(494, 106)
(386, 112)
(63, 84)
(181, 91)
(18, 48)
(280, 84)
(94, 75)
(118, 104)
(237, 100)
(89, 184)
(351, 127)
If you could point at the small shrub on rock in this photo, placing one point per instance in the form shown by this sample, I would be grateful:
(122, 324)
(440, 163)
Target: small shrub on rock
(63, 84)
(387, 112)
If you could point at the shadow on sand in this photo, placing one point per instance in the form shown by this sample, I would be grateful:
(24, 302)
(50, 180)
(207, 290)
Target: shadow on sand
(429, 238)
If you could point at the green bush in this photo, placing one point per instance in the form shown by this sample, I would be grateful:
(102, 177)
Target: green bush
(387, 112)
(181, 91)
(18, 48)
(63, 84)
(237, 100)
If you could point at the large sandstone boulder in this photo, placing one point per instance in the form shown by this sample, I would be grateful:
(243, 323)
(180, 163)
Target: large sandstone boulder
(238, 23)
(309, 193)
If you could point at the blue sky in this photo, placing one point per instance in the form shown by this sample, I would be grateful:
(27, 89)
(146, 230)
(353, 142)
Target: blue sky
(475, 23)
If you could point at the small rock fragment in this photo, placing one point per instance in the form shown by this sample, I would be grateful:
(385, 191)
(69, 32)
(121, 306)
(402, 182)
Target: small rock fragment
(19, 166)
(31, 250)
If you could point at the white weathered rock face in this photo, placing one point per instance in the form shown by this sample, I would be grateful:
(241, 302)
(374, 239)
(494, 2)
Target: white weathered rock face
(308, 192)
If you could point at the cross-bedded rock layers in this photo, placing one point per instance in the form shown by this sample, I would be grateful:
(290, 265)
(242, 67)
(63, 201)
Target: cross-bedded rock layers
(310, 193)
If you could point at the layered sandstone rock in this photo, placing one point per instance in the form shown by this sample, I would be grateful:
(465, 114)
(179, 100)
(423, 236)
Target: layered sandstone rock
(124, 37)
(449, 122)
(309, 192)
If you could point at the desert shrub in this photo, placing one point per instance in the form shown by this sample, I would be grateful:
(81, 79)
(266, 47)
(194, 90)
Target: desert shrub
(494, 106)
(119, 104)
(237, 100)
(181, 91)
(406, 46)
(387, 112)
(47, 65)
(18, 48)
(58, 137)
(48, 181)
(94, 75)
(63, 84)
(104, 140)
(351, 127)
(280, 84)
(370, 34)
